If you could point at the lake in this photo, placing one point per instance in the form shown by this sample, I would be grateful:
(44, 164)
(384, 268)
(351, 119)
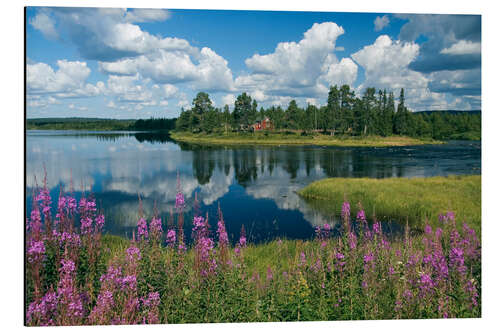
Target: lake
(254, 185)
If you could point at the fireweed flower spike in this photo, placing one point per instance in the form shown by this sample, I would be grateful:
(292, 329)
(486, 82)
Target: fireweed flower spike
(346, 210)
(142, 229)
(156, 228)
(179, 201)
(221, 232)
(360, 216)
(243, 238)
(171, 238)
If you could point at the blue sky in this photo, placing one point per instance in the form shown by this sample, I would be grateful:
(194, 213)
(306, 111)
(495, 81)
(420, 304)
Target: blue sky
(139, 63)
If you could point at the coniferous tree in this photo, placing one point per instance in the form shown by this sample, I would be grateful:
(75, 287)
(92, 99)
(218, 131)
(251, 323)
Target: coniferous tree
(346, 108)
(293, 115)
(332, 116)
(243, 110)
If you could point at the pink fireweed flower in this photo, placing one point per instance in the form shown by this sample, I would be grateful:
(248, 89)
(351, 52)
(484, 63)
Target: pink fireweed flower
(61, 209)
(323, 231)
(71, 238)
(112, 278)
(67, 266)
(129, 282)
(302, 259)
(171, 238)
(200, 228)
(36, 250)
(182, 247)
(152, 300)
(440, 266)
(269, 273)
(45, 201)
(377, 228)
(369, 263)
(243, 241)
(86, 225)
(82, 205)
(104, 306)
(316, 267)
(428, 229)
(179, 201)
(438, 233)
(368, 258)
(413, 260)
(360, 216)
(156, 228)
(35, 222)
(471, 291)
(133, 254)
(150, 305)
(449, 216)
(471, 243)
(457, 260)
(142, 228)
(352, 240)
(243, 238)
(71, 204)
(221, 232)
(67, 293)
(43, 312)
(317, 231)
(204, 249)
(408, 295)
(346, 210)
(426, 284)
(99, 222)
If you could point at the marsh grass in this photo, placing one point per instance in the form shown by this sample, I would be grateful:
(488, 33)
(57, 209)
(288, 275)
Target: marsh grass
(398, 199)
(296, 138)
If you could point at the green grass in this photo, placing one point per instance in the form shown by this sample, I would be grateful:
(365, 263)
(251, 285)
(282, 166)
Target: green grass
(397, 199)
(295, 138)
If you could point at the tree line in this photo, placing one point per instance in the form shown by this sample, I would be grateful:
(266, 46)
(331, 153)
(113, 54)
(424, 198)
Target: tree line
(96, 124)
(374, 113)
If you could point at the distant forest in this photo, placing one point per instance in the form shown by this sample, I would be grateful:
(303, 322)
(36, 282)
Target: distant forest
(100, 124)
(375, 113)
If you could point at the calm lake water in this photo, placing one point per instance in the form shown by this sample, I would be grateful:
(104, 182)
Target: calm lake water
(255, 185)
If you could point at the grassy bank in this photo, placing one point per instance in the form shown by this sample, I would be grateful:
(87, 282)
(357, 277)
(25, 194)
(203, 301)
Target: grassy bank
(292, 138)
(417, 199)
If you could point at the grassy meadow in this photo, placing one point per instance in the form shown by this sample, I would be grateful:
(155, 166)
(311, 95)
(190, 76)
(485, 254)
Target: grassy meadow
(416, 199)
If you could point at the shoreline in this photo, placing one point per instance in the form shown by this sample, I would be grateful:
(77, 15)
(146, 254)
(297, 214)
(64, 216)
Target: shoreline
(276, 139)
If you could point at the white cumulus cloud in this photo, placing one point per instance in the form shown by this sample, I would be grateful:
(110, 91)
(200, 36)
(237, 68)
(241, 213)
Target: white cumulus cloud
(69, 80)
(463, 47)
(45, 24)
(381, 22)
(305, 68)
